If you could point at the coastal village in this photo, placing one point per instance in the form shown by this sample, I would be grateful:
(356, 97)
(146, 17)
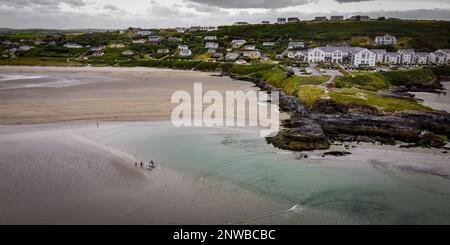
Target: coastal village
(200, 43)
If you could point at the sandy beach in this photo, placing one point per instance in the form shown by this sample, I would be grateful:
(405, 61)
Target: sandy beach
(97, 93)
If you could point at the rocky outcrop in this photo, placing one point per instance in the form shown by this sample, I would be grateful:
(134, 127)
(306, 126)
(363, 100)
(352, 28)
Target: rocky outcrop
(328, 121)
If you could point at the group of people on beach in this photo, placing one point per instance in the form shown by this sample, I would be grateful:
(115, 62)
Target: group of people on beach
(150, 164)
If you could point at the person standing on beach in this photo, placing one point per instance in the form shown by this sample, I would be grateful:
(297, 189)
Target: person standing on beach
(141, 165)
(135, 164)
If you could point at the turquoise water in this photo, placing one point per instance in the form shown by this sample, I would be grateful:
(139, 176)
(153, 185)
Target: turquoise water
(329, 191)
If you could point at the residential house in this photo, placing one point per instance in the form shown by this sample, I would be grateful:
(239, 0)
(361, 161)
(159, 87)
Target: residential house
(174, 39)
(385, 40)
(320, 18)
(144, 33)
(183, 47)
(296, 45)
(117, 45)
(238, 43)
(127, 53)
(162, 51)
(363, 56)
(392, 58)
(421, 58)
(98, 48)
(407, 56)
(293, 20)
(354, 56)
(195, 28)
(72, 45)
(299, 55)
(268, 43)
(211, 45)
(180, 29)
(253, 54)
(381, 53)
(231, 56)
(265, 22)
(360, 18)
(217, 55)
(185, 52)
(210, 38)
(6, 42)
(364, 18)
(240, 23)
(212, 50)
(25, 48)
(139, 41)
(154, 39)
(98, 54)
(241, 62)
(281, 21)
(250, 47)
(440, 57)
(337, 18)
(208, 28)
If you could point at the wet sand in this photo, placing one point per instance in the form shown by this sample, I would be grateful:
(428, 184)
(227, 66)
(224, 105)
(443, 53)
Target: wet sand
(436, 101)
(98, 93)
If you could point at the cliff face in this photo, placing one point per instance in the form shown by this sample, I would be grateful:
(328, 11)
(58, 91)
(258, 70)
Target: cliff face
(327, 121)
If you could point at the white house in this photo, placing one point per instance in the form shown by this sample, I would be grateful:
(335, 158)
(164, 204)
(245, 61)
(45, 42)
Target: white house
(144, 33)
(98, 54)
(296, 45)
(250, 47)
(231, 56)
(300, 55)
(154, 39)
(117, 45)
(440, 57)
(407, 56)
(174, 39)
(183, 47)
(381, 53)
(211, 45)
(253, 54)
(98, 48)
(268, 43)
(385, 40)
(180, 29)
(162, 51)
(25, 48)
(210, 38)
(127, 53)
(238, 43)
(241, 62)
(421, 58)
(392, 58)
(185, 52)
(72, 45)
(363, 56)
(351, 55)
(139, 41)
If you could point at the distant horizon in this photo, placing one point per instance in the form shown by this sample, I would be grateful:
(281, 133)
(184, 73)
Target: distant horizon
(346, 16)
(119, 14)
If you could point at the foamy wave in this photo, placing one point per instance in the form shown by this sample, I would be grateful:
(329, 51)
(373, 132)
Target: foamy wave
(19, 77)
(62, 83)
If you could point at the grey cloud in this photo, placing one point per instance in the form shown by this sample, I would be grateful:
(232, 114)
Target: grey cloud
(39, 3)
(241, 4)
(111, 7)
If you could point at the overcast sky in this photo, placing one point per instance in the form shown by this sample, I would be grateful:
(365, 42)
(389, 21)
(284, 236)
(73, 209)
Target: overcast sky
(117, 14)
